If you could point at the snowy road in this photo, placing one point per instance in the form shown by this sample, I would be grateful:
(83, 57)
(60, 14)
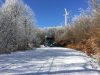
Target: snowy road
(47, 61)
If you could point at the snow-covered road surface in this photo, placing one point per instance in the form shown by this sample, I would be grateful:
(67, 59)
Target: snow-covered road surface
(47, 61)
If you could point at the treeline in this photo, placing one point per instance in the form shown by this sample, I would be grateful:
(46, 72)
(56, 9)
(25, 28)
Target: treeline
(18, 30)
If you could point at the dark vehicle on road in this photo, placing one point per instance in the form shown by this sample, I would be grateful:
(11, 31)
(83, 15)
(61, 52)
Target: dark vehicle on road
(49, 41)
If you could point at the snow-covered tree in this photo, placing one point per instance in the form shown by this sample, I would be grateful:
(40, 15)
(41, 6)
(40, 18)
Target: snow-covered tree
(17, 24)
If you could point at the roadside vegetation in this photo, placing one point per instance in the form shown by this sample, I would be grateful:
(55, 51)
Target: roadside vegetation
(86, 31)
(83, 34)
(18, 30)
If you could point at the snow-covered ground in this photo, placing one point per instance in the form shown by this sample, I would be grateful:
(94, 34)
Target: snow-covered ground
(48, 61)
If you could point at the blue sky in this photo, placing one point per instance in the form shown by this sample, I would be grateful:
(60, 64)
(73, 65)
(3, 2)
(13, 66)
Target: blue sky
(49, 13)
